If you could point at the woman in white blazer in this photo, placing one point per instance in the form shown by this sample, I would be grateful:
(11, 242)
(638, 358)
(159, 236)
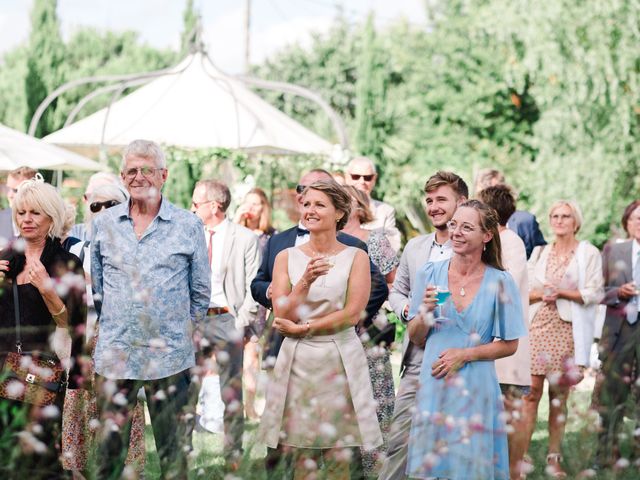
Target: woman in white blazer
(565, 287)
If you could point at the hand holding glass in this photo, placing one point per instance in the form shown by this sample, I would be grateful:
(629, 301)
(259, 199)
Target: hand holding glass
(442, 296)
(329, 262)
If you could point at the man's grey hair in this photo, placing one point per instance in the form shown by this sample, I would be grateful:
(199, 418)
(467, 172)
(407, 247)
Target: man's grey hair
(144, 149)
(216, 191)
(361, 159)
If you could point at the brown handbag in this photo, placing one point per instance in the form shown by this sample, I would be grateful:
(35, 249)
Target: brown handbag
(30, 377)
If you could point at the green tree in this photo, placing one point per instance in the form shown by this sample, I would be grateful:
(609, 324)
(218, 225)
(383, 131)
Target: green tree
(13, 98)
(45, 54)
(189, 36)
(580, 60)
(327, 67)
(370, 127)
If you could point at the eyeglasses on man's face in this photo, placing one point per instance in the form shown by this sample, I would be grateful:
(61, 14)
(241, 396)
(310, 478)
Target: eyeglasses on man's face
(145, 171)
(367, 178)
(95, 207)
(465, 228)
(197, 205)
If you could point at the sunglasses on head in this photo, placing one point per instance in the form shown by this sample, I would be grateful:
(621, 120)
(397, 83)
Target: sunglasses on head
(367, 178)
(95, 207)
(300, 189)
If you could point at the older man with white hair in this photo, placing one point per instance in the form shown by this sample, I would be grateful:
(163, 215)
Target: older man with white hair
(362, 174)
(151, 280)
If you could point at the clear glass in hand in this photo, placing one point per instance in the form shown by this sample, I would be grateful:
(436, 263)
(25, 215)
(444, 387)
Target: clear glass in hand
(330, 261)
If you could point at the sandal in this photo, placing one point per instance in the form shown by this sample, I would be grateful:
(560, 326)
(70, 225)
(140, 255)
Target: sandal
(554, 469)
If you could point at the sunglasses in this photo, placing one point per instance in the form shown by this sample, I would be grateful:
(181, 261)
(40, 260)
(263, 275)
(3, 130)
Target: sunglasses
(367, 178)
(95, 207)
(300, 189)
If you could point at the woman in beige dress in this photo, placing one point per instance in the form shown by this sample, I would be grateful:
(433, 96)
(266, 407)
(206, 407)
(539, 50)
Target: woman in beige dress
(319, 404)
(565, 286)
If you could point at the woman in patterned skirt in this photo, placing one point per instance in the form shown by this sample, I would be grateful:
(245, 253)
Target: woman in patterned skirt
(385, 258)
(565, 280)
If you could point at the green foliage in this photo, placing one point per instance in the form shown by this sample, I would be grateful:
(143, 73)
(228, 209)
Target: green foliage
(186, 167)
(189, 34)
(327, 67)
(13, 103)
(44, 55)
(92, 53)
(371, 128)
(30, 72)
(549, 95)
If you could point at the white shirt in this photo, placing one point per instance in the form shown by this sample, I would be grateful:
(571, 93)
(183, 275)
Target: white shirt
(439, 252)
(302, 239)
(635, 250)
(218, 298)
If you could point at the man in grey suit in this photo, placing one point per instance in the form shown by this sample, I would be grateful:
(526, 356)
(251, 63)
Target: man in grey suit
(234, 256)
(8, 230)
(444, 191)
(620, 341)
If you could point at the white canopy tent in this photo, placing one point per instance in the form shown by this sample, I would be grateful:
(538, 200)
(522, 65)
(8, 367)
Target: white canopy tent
(193, 106)
(18, 149)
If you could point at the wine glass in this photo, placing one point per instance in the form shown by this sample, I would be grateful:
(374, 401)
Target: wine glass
(442, 296)
(330, 260)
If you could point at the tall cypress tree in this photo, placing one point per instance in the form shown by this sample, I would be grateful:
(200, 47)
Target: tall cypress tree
(189, 35)
(372, 122)
(45, 55)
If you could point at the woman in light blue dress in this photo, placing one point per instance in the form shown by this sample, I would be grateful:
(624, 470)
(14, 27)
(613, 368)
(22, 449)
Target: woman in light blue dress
(459, 430)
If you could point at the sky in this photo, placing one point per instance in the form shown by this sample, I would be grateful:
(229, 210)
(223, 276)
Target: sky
(274, 23)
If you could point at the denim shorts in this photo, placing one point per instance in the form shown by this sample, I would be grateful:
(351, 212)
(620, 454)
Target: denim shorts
(514, 391)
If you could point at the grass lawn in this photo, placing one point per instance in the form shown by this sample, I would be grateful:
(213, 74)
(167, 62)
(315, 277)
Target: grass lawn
(579, 447)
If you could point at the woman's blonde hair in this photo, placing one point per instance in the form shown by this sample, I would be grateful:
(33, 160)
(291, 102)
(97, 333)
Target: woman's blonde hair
(575, 211)
(362, 201)
(45, 198)
(492, 252)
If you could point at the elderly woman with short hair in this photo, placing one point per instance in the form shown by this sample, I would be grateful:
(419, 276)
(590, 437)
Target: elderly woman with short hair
(565, 286)
(49, 285)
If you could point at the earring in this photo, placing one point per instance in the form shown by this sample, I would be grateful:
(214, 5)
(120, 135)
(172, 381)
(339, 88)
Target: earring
(484, 247)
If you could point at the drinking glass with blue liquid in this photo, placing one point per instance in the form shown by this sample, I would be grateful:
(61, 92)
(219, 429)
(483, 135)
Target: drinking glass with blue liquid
(442, 296)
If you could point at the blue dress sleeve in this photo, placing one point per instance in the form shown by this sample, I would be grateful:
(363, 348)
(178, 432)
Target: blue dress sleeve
(508, 323)
(424, 277)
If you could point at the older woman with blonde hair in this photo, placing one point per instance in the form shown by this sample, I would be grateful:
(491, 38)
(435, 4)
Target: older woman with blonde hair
(42, 287)
(565, 286)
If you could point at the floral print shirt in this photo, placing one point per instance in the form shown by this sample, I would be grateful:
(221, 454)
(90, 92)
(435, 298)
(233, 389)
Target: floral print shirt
(150, 292)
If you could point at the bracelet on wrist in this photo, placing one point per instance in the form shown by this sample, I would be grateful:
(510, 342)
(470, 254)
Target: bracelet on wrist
(305, 284)
(62, 310)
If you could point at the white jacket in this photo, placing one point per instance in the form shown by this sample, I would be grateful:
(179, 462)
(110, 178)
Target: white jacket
(583, 273)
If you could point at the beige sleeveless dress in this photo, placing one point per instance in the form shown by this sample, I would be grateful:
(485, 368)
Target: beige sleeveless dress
(320, 394)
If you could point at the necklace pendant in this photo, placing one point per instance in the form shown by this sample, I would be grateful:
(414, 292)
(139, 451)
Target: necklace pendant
(462, 292)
